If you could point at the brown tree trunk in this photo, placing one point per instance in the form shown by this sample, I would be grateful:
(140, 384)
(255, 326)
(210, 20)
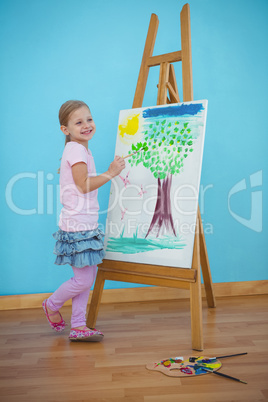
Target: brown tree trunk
(162, 219)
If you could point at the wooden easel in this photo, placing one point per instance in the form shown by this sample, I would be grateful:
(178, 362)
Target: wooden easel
(153, 274)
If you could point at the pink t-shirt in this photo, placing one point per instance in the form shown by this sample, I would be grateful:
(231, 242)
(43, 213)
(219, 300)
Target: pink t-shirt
(80, 211)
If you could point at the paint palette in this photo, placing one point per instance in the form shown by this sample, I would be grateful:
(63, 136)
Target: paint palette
(185, 367)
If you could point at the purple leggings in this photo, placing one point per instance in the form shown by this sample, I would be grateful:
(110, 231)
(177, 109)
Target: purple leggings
(77, 289)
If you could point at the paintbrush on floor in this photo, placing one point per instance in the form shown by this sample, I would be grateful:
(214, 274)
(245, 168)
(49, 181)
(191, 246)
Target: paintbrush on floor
(193, 359)
(222, 375)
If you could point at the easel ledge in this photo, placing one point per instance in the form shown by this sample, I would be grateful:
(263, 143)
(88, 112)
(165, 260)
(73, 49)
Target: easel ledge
(153, 274)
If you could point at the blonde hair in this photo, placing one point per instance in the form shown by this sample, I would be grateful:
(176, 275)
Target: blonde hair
(65, 112)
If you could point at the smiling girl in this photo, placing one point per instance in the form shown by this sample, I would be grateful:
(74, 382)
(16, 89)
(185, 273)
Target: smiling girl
(79, 239)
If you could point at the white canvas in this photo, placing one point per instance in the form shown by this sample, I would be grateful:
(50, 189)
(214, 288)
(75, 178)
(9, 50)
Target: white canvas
(153, 203)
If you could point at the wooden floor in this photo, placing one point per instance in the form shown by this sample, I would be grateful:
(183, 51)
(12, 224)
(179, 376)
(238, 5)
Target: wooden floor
(37, 364)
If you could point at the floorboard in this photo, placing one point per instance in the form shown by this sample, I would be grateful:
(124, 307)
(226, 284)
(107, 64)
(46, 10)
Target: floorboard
(37, 364)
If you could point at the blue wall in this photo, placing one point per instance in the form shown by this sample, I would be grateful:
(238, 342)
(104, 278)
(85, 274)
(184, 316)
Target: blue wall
(56, 50)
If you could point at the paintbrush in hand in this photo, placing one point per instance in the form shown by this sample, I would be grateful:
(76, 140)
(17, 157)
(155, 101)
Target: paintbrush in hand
(134, 153)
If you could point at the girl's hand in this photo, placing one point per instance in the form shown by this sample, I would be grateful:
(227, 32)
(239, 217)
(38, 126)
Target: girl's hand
(116, 166)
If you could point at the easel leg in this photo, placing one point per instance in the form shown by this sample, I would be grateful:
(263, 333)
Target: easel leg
(144, 70)
(187, 73)
(96, 299)
(196, 314)
(173, 83)
(172, 86)
(162, 85)
(205, 265)
(196, 298)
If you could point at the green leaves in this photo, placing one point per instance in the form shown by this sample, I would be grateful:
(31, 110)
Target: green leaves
(164, 147)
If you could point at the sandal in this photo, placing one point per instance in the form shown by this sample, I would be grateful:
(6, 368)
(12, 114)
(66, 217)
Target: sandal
(57, 326)
(85, 335)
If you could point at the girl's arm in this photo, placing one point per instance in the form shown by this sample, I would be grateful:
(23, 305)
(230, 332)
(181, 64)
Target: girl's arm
(87, 184)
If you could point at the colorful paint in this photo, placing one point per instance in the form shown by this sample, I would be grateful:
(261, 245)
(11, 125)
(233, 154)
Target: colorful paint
(159, 188)
(180, 367)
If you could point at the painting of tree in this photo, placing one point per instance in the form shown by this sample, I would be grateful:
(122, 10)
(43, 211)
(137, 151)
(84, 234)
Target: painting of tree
(163, 147)
(166, 144)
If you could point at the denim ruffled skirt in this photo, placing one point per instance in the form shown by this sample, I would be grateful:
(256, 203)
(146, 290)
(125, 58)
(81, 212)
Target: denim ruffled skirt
(79, 248)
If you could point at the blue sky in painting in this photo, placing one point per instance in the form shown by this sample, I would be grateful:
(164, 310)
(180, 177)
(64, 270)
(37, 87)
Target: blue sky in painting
(173, 111)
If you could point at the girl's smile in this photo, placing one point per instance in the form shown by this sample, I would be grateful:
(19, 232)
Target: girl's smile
(80, 127)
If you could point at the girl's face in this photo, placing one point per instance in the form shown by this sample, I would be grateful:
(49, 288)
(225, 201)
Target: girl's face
(80, 127)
